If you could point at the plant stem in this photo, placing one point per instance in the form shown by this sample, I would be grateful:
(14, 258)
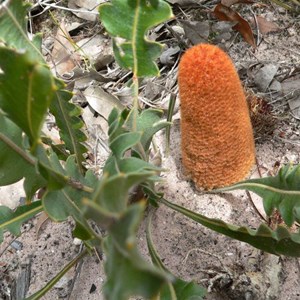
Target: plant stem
(79, 186)
(17, 149)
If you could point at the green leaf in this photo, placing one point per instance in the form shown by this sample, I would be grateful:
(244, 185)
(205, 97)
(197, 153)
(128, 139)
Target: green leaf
(124, 142)
(128, 274)
(12, 220)
(116, 121)
(278, 242)
(67, 119)
(148, 122)
(130, 21)
(50, 169)
(13, 24)
(183, 290)
(177, 288)
(26, 90)
(33, 182)
(112, 192)
(101, 216)
(129, 165)
(59, 149)
(13, 156)
(281, 192)
(15, 163)
(60, 204)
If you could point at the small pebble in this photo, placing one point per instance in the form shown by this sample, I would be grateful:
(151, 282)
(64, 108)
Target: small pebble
(77, 241)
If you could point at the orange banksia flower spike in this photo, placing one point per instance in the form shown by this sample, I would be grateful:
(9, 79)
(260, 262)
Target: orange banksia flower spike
(216, 133)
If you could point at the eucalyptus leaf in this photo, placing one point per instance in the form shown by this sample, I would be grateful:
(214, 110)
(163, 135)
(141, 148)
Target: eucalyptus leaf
(128, 22)
(101, 101)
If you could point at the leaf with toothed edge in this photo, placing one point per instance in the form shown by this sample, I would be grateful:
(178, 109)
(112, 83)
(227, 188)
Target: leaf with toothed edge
(128, 22)
(13, 24)
(12, 220)
(128, 273)
(280, 192)
(67, 119)
(278, 242)
(26, 90)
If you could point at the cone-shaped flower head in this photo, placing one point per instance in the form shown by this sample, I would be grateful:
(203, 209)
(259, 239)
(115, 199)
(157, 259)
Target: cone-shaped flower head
(216, 133)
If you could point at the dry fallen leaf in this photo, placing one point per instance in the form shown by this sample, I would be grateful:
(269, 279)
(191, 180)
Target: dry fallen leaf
(41, 220)
(63, 53)
(87, 10)
(101, 101)
(225, 13)
(265, 26)
(196, 32)
(228, 3)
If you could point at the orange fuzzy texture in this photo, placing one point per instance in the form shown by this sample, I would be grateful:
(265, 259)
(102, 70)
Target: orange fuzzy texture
(216, 133)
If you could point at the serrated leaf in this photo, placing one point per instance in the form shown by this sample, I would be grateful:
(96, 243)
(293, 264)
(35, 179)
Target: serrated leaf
(128, 274)
(13, 24)
(128, 22)
(114, 199)
(278, 242)
(60, 204)
(177, 289)
(148, 122)
(59, 149)
(12, 153)
(281, 192)
(182, 290)
(50, 168)
(26, 90)
(124, 142)
(12, 220)
(32, 183)
(67, 119)
(116, 121)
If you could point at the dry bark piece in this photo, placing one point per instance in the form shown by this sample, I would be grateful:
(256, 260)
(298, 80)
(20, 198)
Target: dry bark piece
(217, 138)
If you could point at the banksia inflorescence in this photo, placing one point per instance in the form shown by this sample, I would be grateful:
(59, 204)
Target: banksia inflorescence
(216, 133)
